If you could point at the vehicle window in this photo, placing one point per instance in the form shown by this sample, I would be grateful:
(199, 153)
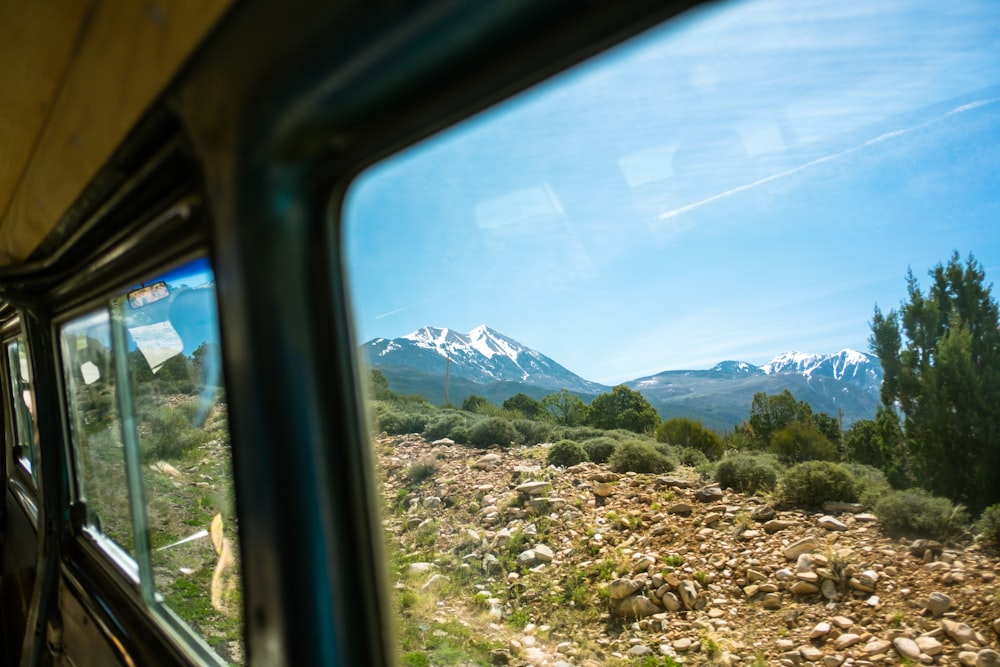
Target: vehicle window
(666, 261)
(23, 395)
(159, 481)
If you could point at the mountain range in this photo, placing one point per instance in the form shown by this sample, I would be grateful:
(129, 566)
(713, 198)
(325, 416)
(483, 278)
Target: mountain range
(490, 364)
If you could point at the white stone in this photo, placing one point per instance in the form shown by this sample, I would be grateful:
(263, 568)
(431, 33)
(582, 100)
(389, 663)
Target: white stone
(796, 549)
(906, 647)
(830, 523)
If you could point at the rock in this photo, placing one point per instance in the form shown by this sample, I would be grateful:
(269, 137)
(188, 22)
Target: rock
(757, 575)
(775, 525)
(444, 442)
(829, 589)
(830, 523)
(959, 632)
(682, 509)
(876, 647)
(842, 622)
(602, 489)
(762, 513)
(832, 661)
(784, 574)
(536, 488)
(772, 601)
(906, 647)
(712, 518)
(968, 658)
(920, 547)
(845, 640)
(796, 549)
(996, 626)
(689, 593)
(810, 653)
(637, 606)
(526, 557)
(432, 503)
(803, 588)
(820, 630)
(709, 494)
(988, 658)
(674, 482)
(543, 554)
(938, 603)
(682, 644)
(929, 645)
(671, 602)
(620, 589)
(837, 508)
(639, 651)
(804, 563)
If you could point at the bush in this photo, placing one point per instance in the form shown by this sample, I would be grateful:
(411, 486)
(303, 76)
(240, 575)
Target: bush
(917, 513)
(424, 467)
(396, 422)
(684, 432)
(170, 432)
(870, 482)
(802, 441)
(812, 483)
(492, 431)
(989, 523)
(689, 456)
(748, 473)
(599, 449)
(639, 456)
(566, 453)
(443, 424)
(530, 432)
(578, 433)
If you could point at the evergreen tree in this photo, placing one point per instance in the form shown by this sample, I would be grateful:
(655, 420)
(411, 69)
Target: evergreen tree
(567, 408)
(945, 379)
(770, 414)
(526, 405)
(623, 408)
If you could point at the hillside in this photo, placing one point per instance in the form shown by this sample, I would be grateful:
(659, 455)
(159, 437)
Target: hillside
(498, 559)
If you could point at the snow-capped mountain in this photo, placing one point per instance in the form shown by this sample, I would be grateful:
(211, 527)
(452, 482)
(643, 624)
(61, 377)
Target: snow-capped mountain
(850, 366)
(483, 355)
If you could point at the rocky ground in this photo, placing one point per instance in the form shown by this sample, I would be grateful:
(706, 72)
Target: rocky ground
(498, 558)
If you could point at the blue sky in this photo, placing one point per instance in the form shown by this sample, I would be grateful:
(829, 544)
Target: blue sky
(746, 180)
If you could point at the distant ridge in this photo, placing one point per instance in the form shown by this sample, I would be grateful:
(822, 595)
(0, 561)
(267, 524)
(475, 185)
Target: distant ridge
(490, 364)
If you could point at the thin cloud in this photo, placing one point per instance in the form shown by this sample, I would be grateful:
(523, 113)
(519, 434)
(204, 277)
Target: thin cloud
(827, 158)
(412, 305)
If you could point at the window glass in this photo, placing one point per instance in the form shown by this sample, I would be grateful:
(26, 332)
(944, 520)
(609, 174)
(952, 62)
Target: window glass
(148, 416)
(23, 394)
(96, 426)
(676, 249)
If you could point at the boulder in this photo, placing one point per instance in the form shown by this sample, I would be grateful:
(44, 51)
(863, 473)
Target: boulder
(637, 606)
(988, 658)
(535, 488)
(709, 494)
(938, 603)
(960, 633)
(831, 523)
(796, 549)
(619, 589)
(906, 647)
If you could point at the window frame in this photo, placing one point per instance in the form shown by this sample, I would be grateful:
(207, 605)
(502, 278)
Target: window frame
(22, 482)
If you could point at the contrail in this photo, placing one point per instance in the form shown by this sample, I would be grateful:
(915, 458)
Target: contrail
(767, 179)
(412, 305)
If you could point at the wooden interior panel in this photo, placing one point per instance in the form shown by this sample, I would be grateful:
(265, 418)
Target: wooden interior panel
(82, 77)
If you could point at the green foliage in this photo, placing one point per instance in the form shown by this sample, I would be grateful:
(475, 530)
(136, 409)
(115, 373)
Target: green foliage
(880, 443)
(918, 513)
(394, 420)
(940, 354)
(690, 456)
(870, 482)
(170, 432)
(581, 433)
(492, 431)
(567, 409)
(473, 403)
(639, 456)
(448, 424)
(566, 453)
(599, 449)
(378, 385)
(623, 408)
(827, 425)
(770, 414)
(748, 473)
(684, 432)
(812, 483)
(526, 405)
(989, 523)
(801, 441)
(531, 432)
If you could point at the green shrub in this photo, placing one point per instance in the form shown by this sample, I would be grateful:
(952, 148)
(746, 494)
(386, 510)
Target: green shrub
(566, 453)
(578, 433)
(492, 431)
(395, 421)
(530, 432)
(989, 523)
(639, 456)
(870, 482)
(169, 432)
(684, 432)
(443, 424)
(690, 456)
(802, 441)
(812, 483)
(748, 473)
(918, 513)
(599, 449)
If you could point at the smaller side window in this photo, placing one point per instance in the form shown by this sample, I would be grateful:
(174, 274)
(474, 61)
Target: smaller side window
(23, 395)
